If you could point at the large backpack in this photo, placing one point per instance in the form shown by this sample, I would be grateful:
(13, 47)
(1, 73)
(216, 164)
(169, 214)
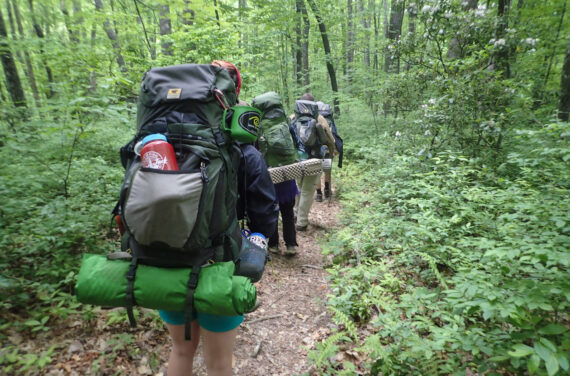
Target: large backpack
(325, 111)
(307, 126)
(275, 141)
(182, 218)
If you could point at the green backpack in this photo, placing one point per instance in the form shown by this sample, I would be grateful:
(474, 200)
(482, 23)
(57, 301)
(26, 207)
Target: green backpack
(182, 218)
(275, 141)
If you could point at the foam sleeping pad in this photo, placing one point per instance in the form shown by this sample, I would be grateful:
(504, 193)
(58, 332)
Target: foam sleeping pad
(103, 282)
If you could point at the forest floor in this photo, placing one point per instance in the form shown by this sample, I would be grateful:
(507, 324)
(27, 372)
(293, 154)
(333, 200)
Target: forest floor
(273, 340)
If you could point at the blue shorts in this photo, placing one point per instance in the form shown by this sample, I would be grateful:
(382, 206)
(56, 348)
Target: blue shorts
(213, 323)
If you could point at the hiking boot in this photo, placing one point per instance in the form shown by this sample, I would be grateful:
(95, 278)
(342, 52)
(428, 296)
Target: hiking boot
(301, 228)
(319, 197)
(274, 250)
(290, 251)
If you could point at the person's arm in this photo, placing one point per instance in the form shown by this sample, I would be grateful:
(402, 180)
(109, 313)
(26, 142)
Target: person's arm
(260, 203)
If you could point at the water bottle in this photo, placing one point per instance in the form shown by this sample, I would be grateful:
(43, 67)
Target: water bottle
(258, 239)
(253, 256)
(157, 153)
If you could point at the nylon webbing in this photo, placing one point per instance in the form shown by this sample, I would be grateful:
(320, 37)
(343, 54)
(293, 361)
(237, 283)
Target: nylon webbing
(130, 297)
(192, 283)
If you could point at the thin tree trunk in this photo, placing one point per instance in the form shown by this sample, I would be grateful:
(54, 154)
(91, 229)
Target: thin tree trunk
(165, 29)
(412, 18)
(68, 23)
(111, 35)
(29, 68)
(298, 50)
(13, 82)
(564, 104)
(284, 70)
(328, 55)
(305, 46)
(502, 56)
(394, 31)
(217, 14)
(349, 40)
(40, 34)
(455, 49)
(563, 13)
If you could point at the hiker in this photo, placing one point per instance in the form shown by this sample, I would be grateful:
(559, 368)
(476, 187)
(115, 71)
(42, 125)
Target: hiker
(279, 145)
(326, 112)
(257, 205)
(308, 184)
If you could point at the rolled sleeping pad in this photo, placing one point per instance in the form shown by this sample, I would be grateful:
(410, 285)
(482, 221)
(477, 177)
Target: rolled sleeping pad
(309, 167)
(103, 282)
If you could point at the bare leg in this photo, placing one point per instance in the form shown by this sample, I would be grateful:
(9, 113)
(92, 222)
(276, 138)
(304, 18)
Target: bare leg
(182, 353)
(218, 351)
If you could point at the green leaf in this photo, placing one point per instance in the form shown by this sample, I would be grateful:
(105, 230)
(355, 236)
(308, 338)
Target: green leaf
(563, 361)
(542, 351)
(533, 363)
(552, 329)
(552, 365)
(520, 350)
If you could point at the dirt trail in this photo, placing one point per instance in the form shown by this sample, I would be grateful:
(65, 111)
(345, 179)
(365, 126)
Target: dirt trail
(273, 340)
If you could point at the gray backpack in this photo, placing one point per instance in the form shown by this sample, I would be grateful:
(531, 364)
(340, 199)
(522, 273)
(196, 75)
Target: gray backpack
(307, 126)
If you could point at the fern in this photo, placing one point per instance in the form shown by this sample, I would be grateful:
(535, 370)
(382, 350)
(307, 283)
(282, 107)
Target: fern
(342, 319)
(433, 267)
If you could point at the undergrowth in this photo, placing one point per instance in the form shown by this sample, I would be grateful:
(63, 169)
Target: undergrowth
(452, 264)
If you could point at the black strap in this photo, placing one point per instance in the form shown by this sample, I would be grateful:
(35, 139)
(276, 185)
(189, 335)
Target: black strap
(192, 283)
(130, 297)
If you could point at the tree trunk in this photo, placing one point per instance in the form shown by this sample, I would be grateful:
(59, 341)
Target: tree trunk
(13, 83)
(305, 46)
(391, 60)
(111, 35)
(165, 29)
(349, 40)
(455, 50)
(284, 71)
(328, 55)
(394, 31)
(564, 104)
(188, 14)
(242, 4)
(217, 14)
(68, 23)
(298, 50)
(502, 55)
(27, 59)
(40, 34)
(412, 18)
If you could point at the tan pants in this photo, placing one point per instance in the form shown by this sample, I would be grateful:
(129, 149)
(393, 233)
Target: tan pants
(304, 200)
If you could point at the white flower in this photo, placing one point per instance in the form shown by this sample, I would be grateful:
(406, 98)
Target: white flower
(530, 41)
(500, 42)
(426, 8)
(427, 133)
(492, 41)
(431, 101)
(398, 134)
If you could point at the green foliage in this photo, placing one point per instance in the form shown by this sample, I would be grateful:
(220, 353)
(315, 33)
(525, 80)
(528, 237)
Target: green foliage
(59, 182)
(456, 265)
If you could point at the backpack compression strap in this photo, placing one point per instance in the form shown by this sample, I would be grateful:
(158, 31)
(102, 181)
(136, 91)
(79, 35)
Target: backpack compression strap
(192, 283)
(130, 297)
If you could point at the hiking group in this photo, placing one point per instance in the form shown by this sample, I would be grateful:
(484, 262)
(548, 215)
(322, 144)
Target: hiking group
(206, 178)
